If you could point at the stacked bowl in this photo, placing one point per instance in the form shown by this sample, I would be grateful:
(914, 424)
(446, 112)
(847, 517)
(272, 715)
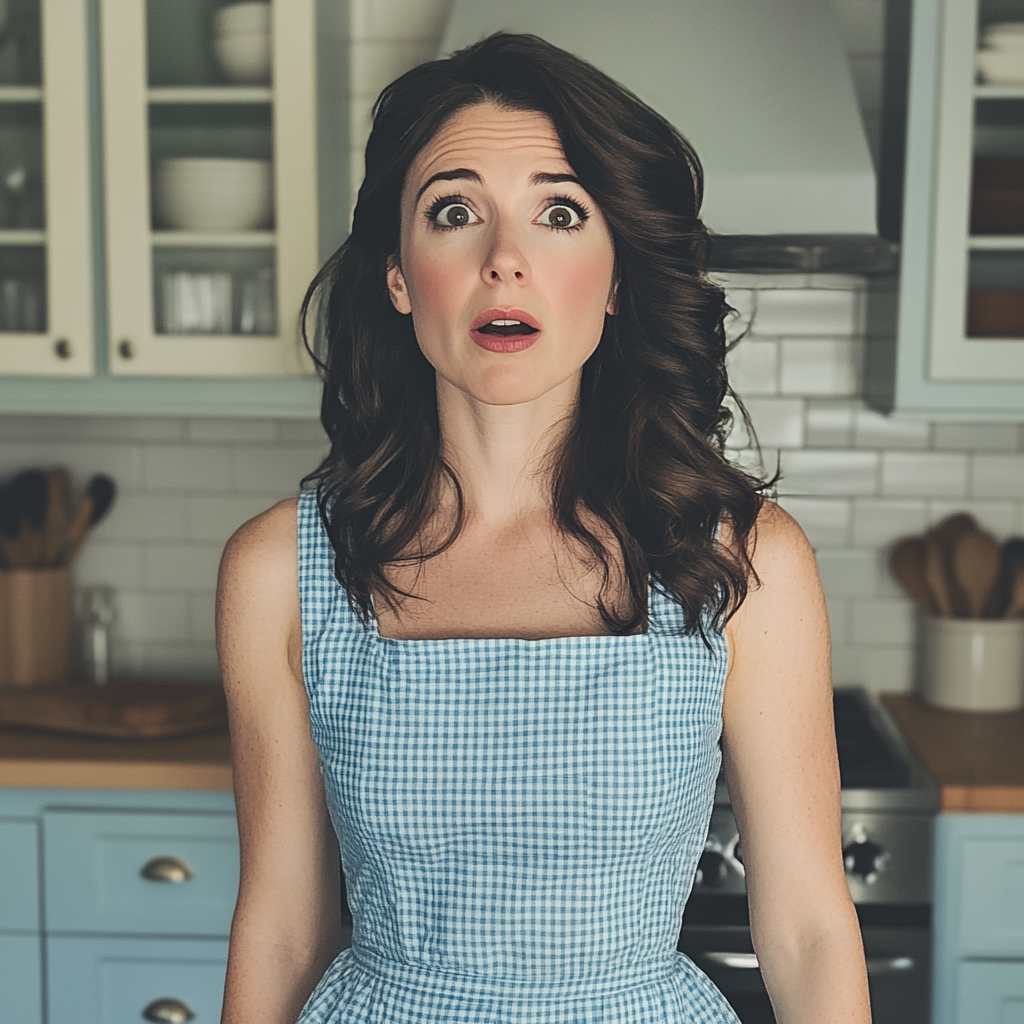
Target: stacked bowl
(242, 43)
(212, 194)
(1001, 54)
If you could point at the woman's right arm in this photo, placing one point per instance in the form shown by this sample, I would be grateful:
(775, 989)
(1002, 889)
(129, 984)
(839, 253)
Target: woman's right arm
(286, 928)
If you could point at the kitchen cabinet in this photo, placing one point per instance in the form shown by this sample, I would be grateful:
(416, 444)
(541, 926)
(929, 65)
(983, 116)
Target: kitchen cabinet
(115, 904)
(929, 351)
(46, 289)
(138, 82)
(979, 918)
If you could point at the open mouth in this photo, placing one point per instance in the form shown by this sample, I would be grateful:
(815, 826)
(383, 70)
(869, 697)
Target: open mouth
(505, 328)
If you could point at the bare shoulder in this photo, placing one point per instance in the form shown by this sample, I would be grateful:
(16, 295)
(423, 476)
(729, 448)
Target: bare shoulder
(779, 544)
(264, 546)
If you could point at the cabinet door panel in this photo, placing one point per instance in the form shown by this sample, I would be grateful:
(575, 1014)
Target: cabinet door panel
(109, 981)
(96, 868)
(21, 983)
(991, 993)
(992, 897)
(19, 879)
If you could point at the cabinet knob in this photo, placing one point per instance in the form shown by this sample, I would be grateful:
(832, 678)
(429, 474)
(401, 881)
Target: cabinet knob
(167, 869)
(62, 348)
(168, 1011)
(125, 349)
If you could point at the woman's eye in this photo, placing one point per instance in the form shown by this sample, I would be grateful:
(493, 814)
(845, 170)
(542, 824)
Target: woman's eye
(560, 216)
(455, 215)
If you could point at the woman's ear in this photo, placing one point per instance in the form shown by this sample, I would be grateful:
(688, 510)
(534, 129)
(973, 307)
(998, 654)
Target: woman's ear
(611, 305)
(397, 289)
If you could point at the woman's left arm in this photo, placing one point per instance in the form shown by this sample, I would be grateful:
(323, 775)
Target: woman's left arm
(780, 760)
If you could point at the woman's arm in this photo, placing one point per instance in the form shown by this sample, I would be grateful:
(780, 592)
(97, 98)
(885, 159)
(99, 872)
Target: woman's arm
(286, 926)
(780, 758)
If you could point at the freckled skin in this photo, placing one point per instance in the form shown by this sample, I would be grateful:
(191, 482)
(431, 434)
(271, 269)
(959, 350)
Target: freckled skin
(508, 257)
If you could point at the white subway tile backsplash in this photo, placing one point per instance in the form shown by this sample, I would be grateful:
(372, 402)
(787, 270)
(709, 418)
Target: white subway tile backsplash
(980, 437)
(214, 517)
(115, 563)
(152, 615)
(754, 368)
(999, 517)
(815, 313)
(201, 617)
(997, 476)
(824, 366)
(778, 422)
(877, 622)
(246, 430)
(188, 467)
(924, 473)
(181, 660)
(302, 432)
(122, 462)
(873, 430)
(847, 572)
(826, 521)
(181, 566)
(275, 469)
(137, 515)
(830, 423)
(838, 619)
(91, 428)
(877, 522)
(820, 472)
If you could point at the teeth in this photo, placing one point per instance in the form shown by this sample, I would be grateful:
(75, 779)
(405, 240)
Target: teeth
(505, 323)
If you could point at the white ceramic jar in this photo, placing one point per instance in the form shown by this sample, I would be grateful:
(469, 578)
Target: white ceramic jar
(971, 664)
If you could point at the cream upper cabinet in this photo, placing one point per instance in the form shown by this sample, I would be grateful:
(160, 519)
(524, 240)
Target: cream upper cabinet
(947, 340)
(46, 280)
(210, 185)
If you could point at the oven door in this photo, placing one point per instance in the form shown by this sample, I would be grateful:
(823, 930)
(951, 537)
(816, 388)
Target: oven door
(898, 959)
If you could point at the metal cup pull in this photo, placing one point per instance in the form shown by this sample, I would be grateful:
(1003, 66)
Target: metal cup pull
(735, 961)
(168, 1011)
(890, 965)
(167, 869)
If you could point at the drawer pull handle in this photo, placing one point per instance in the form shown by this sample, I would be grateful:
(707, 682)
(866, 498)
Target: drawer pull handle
(168, 1011)
(167, 869)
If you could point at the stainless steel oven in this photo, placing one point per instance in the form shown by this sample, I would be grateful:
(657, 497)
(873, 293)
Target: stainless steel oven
(889, 804)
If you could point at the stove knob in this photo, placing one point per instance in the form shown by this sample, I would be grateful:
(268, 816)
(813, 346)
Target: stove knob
(865, 860)
(711, 869)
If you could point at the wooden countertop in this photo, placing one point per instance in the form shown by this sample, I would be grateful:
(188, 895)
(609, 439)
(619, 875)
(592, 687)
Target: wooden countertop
(977, 759)
(47, 760)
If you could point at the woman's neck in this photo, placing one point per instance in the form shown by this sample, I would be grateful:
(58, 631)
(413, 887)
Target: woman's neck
(503, 454)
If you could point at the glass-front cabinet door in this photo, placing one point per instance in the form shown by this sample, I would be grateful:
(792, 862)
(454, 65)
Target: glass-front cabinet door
(209, 138)
(977, 308)
(46, 281)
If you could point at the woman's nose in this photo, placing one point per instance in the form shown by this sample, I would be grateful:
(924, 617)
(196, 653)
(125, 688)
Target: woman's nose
(505, 262)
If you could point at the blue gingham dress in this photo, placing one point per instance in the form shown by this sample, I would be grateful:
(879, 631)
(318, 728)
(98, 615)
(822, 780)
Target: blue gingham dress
(519, 820)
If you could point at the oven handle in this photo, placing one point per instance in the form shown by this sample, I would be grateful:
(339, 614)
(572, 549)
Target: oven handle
(748, 962)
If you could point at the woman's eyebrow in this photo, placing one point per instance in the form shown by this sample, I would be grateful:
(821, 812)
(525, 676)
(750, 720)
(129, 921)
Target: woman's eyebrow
(459, 174)
(554, 179)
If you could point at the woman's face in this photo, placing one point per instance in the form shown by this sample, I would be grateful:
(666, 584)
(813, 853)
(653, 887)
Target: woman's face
(506, 261)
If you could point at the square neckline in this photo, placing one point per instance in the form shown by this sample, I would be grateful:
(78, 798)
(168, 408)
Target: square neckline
(373, 628)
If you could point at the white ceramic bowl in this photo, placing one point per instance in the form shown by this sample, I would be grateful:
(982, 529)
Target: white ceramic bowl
(247, 17)
(243, 57)
(212, 194)
(1001, 67)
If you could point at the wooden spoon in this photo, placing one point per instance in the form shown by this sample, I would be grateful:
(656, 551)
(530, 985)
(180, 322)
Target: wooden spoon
(936, 574)
(1015, 609)
(1011, 559)
(907, 564)
(974, 558)
(55, 527)
(949, 597)
(91, 508)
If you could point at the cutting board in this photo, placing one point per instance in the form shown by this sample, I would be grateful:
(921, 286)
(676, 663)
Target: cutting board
(123, 709)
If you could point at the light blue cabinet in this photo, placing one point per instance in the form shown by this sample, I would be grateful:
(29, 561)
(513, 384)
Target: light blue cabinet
(114, 904)
(979, 919)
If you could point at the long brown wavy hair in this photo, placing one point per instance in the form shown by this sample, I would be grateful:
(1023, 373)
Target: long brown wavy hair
(645, 452)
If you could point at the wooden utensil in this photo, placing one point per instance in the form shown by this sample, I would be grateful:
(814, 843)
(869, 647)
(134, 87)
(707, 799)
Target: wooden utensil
(91, 508)
(55, 527)
(1011, 557)
(1015, 608)
(974, 558)
(907, 564)
(939, 540)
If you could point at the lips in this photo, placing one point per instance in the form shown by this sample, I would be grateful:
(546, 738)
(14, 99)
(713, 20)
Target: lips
(505, 330)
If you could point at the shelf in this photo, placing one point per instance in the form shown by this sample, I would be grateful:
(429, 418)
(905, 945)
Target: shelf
(999, 92)
(214, 240)
(21, 93)
(28, 236)
(210, 94)
(996, 242)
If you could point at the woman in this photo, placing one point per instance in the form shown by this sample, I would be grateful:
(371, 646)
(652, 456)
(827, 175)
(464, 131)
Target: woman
(524, 599)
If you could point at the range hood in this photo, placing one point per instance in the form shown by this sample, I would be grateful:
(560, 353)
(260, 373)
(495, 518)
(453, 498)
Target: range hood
(761, 88)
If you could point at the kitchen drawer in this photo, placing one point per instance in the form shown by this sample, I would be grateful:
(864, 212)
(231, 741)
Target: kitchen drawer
(21, 981)
(115, 981)
(991, 993)
(991, 904)
(19, 879)
(97, 863)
